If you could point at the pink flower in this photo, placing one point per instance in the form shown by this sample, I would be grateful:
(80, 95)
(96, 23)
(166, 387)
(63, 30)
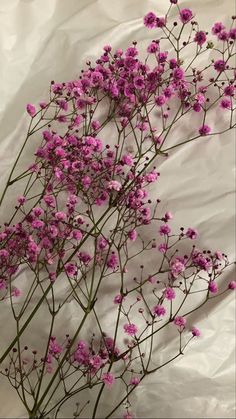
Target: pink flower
(169, 293)
(134, 381)
(220, 65)
(217, 28)
(160, 100)
(54, 347)
(118, 299)
(114, 185)
(185, 15)
(213, 287)
(49, 200)
(108, 379)
(178, 74)
(162, 248)
(16, 292)
(153, 47)
(77, 235)
(132, 235)
(31, 110)
(180, 321)
(128, 160)
(200, 38)
(159, 310)
(128, 415)
(150, 20)
(229, 90)
(195, 332)
(21, 199)
(204, 130)
(177, 267)
(70, 269)
(112, 261)
(232, 285)
(60, 216)
(139, 82)
(102, 243)
(225, 104)
(130, 329)
(164, 230)
(191, 233)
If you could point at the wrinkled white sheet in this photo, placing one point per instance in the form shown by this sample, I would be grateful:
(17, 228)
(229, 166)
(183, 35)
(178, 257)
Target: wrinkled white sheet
(44, 40)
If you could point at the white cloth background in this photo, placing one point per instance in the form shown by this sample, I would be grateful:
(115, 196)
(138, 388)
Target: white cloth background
(44, 40)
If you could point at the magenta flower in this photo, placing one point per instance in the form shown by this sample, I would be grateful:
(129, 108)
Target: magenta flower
(31, 110)
(159, 310)
(217, 28)
(130, 329)
(160, 100)
(213, 287)
(178, 73)
(132, 235)
(108, 379)
(185, 15)
(191, 233)
(195, 332)
(177, 267)
(180, 321)
(134, 381)
(204, 130)
(169, 293)
(164, 230)
(225, 103)
(232, 285)
(114, 185)
(219, 65)
(70, 269)
(112, 261)
(200, 38)
(150, 20)
(162, 248)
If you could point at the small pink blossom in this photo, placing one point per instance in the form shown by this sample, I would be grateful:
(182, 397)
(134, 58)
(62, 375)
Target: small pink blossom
(169, 293)
(130, 329)
(150, 20)
(70, 269)
(31, 109)
(118, 299)
(204, 130)
(114, 185)
(159, 310)
(195, 332)
(191, 233)
(134, 381)
(232, 285)
(186, 15)
(225, 104)
(112, 261)
(200, 38)
(128, 415)
(21, 200)
(217, 28)
(162, 247)
(132, 235)
(213, 287)
(16, 292)
(108, 379)
(220, 65)
(164, 230)
(180, 321)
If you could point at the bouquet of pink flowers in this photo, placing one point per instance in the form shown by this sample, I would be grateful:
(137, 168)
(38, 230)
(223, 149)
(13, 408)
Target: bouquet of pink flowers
(84, 222)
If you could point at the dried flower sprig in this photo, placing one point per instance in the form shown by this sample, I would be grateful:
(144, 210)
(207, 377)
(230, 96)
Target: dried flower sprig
(85, 218)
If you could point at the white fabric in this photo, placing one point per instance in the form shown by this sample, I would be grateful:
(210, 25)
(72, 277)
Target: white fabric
(44, 40)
